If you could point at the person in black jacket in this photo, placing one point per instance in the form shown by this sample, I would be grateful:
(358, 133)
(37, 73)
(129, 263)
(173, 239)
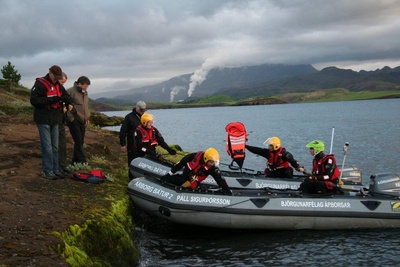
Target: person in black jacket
(280, 163)
(47, 96)
(127, 131)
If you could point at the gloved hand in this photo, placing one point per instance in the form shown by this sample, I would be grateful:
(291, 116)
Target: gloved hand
(171, 151)
(186, 184)
(165, 178)
(312, 178)
(151, 153)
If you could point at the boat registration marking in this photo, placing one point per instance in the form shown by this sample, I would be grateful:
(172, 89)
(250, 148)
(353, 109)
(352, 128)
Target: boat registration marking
(154, 169)
(316, 204)
(277, 186)
(154, 190)
(209, 200)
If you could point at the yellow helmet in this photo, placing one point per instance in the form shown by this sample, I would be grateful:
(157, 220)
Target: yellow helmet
(146, 118)
(211, 154)
(275, 142)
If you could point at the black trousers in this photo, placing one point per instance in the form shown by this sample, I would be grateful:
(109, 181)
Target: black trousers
(62, 146)
(77, 130)
(280, 173)
(131, 155)
(313, 187)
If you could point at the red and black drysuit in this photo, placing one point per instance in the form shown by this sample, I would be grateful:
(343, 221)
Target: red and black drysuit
(195, 170)
(325, 176)
(146, 141)
(279, 161)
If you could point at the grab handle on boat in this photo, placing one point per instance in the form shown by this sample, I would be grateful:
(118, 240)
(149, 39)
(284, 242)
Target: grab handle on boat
(345, 148)
(236, 168)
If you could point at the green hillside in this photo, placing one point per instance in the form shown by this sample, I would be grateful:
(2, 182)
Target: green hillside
(338, 94)
(17, 101)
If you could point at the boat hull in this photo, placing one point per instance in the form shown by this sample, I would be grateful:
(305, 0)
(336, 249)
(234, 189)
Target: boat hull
(258, 209)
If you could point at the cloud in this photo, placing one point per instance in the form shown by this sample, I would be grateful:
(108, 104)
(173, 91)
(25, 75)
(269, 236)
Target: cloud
(149, 41)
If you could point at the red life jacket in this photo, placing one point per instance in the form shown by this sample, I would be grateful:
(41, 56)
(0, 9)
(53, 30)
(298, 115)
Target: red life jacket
(149, 139)
(236, 142)
(51, 91)
(275, 160)
(319, 169)
(195, 166)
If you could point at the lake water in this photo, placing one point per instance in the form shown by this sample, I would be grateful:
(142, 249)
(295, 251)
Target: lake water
(372, 129)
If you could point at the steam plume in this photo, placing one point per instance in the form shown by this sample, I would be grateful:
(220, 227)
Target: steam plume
(174, 91)
(200, 75)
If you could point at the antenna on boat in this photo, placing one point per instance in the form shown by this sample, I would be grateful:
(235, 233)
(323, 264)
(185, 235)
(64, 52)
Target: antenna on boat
(333, 133)
(346, 146)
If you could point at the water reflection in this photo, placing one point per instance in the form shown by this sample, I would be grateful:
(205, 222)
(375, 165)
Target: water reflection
(371, 127)
(174, 245)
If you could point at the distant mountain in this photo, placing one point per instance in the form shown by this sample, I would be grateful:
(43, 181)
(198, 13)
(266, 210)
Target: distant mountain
(262, 80)
(328, 78)
(176, 88)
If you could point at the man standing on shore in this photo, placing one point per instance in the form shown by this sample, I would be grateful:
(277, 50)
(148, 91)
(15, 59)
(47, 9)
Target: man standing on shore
(47, 96)
(127, 131)
(78, 118)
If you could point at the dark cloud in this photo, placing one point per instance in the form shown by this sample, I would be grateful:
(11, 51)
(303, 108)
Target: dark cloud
(132, 42)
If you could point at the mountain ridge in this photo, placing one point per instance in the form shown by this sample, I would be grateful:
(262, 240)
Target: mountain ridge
(262, 81)
(176, 88)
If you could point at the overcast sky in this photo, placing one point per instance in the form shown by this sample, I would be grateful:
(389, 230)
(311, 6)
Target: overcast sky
(122, 44)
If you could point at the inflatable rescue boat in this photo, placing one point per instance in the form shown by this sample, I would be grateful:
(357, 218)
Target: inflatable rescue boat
(142, 166)
(375, 207)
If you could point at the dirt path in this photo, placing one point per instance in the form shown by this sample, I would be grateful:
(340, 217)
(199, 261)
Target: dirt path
(31, 207)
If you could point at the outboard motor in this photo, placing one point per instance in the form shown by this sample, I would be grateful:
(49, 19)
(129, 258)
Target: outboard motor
(351, 175)
(385, 183)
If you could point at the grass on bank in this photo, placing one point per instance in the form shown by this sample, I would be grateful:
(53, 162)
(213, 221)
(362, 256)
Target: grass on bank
(337, 94)
(106, 238)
